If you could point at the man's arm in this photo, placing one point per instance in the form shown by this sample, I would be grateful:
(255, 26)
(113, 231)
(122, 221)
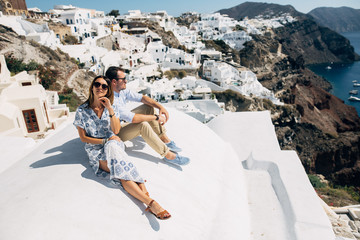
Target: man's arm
(151, 102)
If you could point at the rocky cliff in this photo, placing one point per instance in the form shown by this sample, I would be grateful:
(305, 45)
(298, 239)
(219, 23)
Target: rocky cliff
(252, 9)
(319, 126)
(18, 47)
(342, 19)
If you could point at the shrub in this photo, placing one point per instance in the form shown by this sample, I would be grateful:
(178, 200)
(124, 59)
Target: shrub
(169, 74)
(47, 76)
(70, 99)
(17, 65)
(315, 181)
(32, 65)
(71, 40)
(51, 53)
(182, 74)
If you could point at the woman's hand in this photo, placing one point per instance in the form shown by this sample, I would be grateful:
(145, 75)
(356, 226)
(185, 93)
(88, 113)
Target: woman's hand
(116, 138)
(105, 102)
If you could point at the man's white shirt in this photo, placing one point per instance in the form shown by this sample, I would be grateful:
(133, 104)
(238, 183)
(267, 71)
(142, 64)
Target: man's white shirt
(120, 100)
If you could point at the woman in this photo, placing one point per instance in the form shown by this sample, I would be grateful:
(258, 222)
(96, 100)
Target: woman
(97, 123)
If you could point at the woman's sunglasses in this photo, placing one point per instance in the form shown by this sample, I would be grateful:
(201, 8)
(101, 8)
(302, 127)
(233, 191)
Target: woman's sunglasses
(104, 86)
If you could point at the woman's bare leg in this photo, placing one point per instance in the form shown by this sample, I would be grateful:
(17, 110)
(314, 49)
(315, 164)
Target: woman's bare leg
(134, 190)
(143, 188)
(137, 190)
(103, 165)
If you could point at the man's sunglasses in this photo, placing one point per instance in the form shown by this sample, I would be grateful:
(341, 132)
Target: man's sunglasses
(124, 78)
(104, 86)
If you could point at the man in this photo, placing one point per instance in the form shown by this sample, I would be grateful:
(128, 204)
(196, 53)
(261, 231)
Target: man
(143, 120)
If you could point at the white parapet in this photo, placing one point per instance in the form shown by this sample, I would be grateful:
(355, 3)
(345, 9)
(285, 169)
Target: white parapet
(283, 205)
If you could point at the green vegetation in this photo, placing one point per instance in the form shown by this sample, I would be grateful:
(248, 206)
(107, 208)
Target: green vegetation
(47, 76)
(239, 28)
(316, 182)
(114, 13)
(17, 65)
(336, 196)
(68, 97)
(51, 53)
(80, 64)
(71, 40)
(175, 73)
(230, 95)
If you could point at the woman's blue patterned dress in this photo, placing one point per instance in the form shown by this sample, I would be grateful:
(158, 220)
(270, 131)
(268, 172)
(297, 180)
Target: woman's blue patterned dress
(113, 151)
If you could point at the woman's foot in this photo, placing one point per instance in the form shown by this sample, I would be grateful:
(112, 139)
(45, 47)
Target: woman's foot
(157, 210)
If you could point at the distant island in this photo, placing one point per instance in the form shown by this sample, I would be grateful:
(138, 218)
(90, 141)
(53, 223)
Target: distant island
(342, 19)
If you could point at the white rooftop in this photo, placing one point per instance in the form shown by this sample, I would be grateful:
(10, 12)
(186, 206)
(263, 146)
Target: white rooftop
(52, 193)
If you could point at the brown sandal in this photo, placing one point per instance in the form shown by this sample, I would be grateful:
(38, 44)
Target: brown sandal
(162, 215)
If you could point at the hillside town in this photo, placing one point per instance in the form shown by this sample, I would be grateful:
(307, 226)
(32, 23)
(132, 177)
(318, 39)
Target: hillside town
(125, 40)
(168, 59)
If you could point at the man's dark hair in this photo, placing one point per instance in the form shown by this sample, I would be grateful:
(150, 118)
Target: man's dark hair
(111, 73)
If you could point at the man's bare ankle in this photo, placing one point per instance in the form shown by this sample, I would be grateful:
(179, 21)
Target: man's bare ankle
(170, 155)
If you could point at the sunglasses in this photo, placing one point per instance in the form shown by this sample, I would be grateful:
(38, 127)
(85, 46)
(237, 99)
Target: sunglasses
(124, 78)
(104, 86)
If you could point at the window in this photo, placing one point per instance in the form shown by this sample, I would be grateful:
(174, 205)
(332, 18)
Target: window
(30, 120)
(74, 29)
(67, 21)
(57, 36)
(26, 84)
(71, 21)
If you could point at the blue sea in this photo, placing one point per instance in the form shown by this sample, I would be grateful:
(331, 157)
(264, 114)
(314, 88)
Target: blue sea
(341, 76)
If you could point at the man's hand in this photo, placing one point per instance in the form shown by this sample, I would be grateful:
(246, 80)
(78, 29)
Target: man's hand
(162, 119)
(163, 113)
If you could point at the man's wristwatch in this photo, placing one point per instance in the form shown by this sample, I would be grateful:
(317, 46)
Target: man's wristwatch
(111, 115)
(157, 117)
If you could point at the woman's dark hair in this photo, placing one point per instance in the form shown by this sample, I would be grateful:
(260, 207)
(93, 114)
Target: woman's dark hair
(109, 93)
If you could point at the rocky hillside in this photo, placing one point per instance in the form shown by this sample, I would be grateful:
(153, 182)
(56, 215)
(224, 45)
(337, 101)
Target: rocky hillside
(342, 19)
(320, 127)
(315, 44)
(252, 9)
(13, 45)
(65, 77)
(168, 38)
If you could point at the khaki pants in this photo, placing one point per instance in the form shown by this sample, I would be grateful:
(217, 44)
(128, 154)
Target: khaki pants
(150, 131)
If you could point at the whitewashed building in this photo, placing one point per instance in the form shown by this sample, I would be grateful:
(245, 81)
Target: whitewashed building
(27, 109)
(37, 32)
(157, 50)
(236, 39)
(79, 21)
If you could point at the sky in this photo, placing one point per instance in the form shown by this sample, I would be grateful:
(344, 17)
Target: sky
(176, 7)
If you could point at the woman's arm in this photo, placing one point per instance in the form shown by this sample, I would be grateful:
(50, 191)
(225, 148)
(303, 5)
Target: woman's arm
(114, 121)
(86, 139)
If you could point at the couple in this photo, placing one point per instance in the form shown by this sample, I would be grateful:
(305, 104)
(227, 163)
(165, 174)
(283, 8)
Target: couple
(98, 125)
